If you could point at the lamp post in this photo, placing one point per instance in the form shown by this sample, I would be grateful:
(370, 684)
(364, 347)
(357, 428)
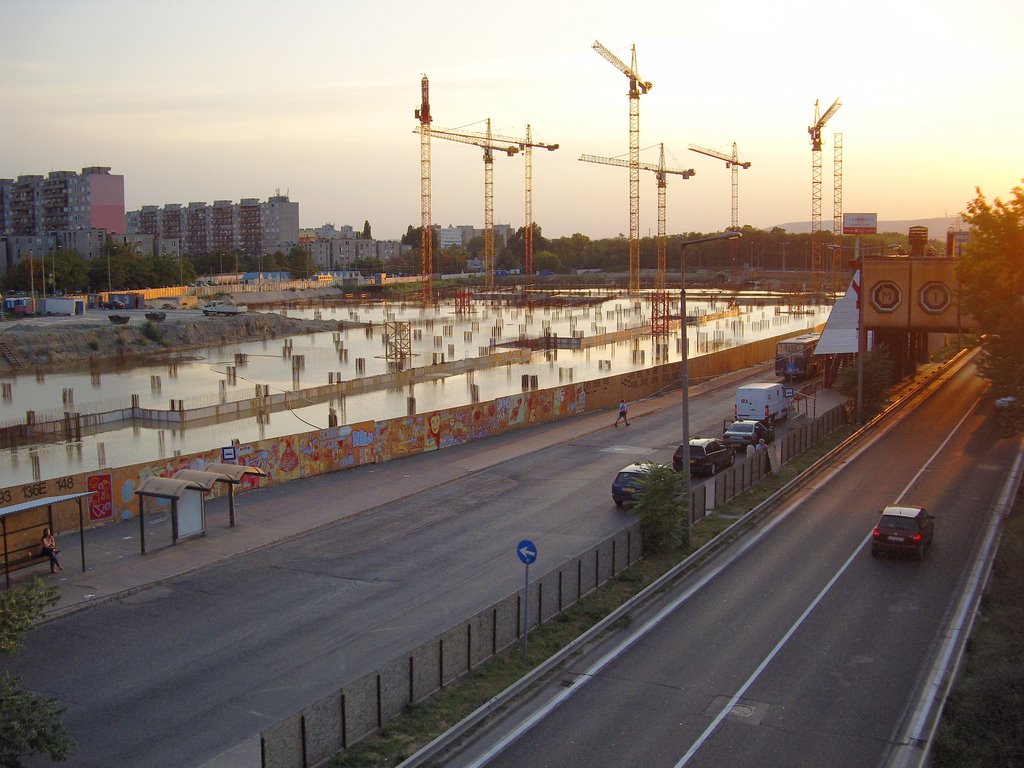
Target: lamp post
(685, 372)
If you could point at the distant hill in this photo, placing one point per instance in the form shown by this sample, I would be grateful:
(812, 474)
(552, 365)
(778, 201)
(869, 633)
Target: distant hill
(936, 227)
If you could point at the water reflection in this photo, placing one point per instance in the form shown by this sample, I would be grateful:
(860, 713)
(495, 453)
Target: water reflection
(234, 372)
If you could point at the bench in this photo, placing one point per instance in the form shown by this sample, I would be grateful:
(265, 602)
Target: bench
(25, 560)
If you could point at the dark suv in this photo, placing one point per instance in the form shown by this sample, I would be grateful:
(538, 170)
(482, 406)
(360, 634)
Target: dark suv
(740, 434)
(903, 528)
(707, 456)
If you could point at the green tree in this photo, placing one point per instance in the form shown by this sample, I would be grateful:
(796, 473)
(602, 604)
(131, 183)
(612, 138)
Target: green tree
(366, 230)
(32, 724)
(660, 508)
(546, 260)
(879, 376)
(991, 275)
(299, 262)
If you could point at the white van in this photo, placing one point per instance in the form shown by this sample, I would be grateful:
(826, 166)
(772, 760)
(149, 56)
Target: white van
(761, 402)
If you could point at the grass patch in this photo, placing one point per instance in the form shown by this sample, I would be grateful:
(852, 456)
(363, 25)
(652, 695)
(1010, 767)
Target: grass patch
(153, 332)
(421, 723)
(983, 723)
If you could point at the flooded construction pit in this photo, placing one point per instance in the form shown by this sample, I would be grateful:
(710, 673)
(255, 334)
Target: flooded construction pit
(484, 351)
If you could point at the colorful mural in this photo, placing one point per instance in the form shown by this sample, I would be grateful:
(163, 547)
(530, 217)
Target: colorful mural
(370, 442)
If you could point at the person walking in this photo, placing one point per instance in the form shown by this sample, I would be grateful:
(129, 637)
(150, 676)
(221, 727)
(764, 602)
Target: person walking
(622, 414)
(49, 543)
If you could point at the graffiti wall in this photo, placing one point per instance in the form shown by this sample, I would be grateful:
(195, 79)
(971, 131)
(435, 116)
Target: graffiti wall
(370, 442)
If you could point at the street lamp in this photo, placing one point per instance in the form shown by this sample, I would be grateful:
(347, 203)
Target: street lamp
(861, 333)
(685, 374)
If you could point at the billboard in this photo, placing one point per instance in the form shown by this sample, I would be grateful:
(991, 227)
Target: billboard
(860, 223)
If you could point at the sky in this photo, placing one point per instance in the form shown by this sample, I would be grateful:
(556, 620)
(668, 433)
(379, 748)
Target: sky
(220, 100)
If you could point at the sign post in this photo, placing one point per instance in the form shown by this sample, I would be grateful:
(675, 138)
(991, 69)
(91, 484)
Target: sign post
(860, 224)
(527, 552)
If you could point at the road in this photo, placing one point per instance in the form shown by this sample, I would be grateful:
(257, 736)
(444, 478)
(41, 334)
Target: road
(797, 648)
(188, 669)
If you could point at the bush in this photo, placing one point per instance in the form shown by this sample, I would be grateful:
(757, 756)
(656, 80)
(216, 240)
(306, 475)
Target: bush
(660, 509)
(151, 331)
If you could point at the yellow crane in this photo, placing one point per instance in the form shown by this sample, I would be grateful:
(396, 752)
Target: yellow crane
(817, 278)
(636, 88)
(731, 161)
(488, 143)
(661, 174)
(426, 228)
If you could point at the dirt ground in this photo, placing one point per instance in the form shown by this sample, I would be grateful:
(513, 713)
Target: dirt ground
(48, 343)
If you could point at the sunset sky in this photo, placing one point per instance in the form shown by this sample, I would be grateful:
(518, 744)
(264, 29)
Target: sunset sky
(201, 101)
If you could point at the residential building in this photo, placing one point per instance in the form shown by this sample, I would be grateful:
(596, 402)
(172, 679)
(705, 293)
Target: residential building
(252, 227)
(63, 200)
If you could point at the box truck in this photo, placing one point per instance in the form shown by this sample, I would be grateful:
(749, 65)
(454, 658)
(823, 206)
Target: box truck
(761, 402)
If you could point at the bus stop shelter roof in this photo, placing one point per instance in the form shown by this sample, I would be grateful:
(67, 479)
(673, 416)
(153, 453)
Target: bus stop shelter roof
(166, 487)
(234, 472)
(43, 502)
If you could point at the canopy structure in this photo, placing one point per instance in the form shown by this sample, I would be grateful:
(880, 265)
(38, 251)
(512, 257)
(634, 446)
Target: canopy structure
(227, 473)
(171, 489)
(27, 506)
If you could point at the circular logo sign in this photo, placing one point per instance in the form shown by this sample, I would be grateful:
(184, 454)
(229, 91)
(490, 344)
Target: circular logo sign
(934, 298)
(886, 296)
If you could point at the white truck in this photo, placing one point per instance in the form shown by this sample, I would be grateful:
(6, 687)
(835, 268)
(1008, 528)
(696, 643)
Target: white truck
(223, 308)
(761, 402)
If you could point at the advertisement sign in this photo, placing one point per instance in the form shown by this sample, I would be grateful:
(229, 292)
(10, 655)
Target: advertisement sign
(860, 223)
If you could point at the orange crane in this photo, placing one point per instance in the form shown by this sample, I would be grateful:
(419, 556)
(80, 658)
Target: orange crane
(488, 143)
(731, 161)
(661, 173)
(426, 227)
(815, 132)
(527, 146)
(636, 87)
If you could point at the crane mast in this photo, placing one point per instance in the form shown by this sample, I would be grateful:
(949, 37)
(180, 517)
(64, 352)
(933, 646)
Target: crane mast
(488, 142)
(661, 174)
(636, 88)
(815, 133)
(426, 227)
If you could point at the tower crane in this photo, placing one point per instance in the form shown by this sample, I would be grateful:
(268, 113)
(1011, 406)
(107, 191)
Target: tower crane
(733, 162)
(488, 143)
(426, 228)
(815, 132)
(661, 173)
(527, 146)
(636, 88)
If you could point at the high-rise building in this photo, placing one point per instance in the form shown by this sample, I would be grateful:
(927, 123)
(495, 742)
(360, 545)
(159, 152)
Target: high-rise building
(63, 200)
(252, 227)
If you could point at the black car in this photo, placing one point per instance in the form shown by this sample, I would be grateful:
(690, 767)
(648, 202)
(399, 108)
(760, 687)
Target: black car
(740, 434)
(707, 456)
(903, 528)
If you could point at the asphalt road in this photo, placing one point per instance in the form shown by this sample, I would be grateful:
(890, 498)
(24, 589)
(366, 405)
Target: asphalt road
(798, 648)
(182, 672)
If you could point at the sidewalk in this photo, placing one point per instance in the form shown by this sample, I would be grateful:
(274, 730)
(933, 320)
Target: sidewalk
(116, 568)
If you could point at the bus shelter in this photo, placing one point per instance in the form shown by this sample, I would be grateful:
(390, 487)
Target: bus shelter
(186, 499)
(229, 474)
(21, 527)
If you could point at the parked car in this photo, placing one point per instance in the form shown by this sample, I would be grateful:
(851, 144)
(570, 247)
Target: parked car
(707, 456)
(113, 304)
(628, 483)
(746, 432)
(903, 528)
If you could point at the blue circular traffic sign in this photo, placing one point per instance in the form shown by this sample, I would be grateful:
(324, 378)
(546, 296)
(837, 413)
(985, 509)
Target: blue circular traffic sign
(527, 551)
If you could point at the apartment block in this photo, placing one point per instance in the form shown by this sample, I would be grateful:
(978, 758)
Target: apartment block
(255, 228)
(34, 205)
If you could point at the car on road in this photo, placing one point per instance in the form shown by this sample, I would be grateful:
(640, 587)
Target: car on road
(707, 456)
(904, 529)
(746, 432)
(629, 482)
(113, 304)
